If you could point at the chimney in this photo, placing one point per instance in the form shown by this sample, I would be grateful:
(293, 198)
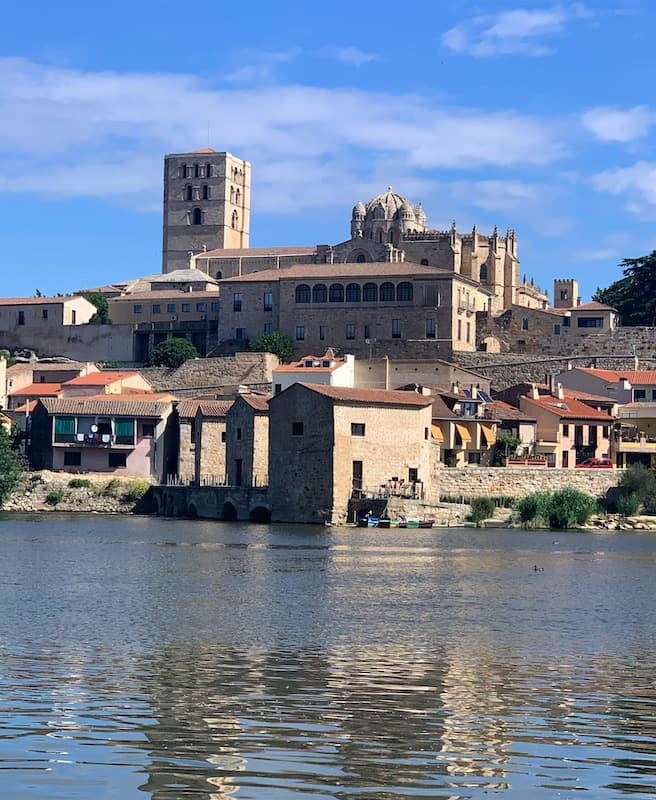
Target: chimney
(552, 383)
(560, 392)
(535, 395)
(578, 301)
(455, 387)
(474, 392)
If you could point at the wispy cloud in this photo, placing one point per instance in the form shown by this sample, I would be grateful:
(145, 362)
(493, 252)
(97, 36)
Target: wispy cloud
(355, 56)
(612, 124)
(260, 65)
(519, 30)
(74, 133)
(637, 181)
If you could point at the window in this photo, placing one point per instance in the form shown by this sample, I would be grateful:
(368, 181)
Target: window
(424, 262)
(73, 316)
(118, 459)
(185, 171)
(370, 293)
(404, 291)
(357, 429)
(236, 301)
(206, 192)
(525, 324)
(223, 436)
(124, 430)
(567, 322)
(431, 329)
(322, 332)
(592, 435)
(240, 334)
(350, 331)
(157, 308)
(320, 293)
(387, 292)
(639, 395)
(473, 458)
(565, 430)
(578, 435)
(44, 313)
(235, 220)
(297, 429)
(413, 474)
(268, 327)
(197, 217)
(208, 171)
(196, 171)
(238, 434)
(72, 458)
(590, 322)
(361, 258)
(396, 329)
(21, 318)
(137, 308)
(605, 431)
(300, 333)
(556, 329)
(237, 197)
(188, 193)
(186, 307)
(268, 301)
(353, 293)
(170, 308)
(214, 306)
(303, 293)
(277, 388)
(367, 331)
(468, 331)
(201, 306)
(483, 273)
(564, 294)
(232, 194)
(336, 293)
(565, 460)
(147, 430)
(459, 334)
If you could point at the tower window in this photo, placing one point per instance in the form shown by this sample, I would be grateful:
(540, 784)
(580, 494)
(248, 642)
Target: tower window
(235, 220)
(196, 171)
(197, 217)
(237, 197)
(208, 171)
(206, 192)
(188, 193)
(232, 194)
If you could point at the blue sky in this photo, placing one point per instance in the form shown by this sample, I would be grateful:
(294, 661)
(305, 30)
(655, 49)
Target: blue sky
(530, 115)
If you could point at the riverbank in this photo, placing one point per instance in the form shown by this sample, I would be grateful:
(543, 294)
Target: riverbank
(59, 491)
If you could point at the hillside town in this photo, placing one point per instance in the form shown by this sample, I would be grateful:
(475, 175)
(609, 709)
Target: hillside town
(424, 365)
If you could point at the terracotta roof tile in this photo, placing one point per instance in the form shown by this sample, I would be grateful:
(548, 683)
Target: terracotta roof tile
(37, 301)
(208, 408)
(125, 405)
(101, 378)
(568, 408)
(498, 409)
(38, 390)
(373, 396)
(257, 402)
(640, 377)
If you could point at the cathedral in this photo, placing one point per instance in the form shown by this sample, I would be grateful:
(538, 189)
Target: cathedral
(207, 217)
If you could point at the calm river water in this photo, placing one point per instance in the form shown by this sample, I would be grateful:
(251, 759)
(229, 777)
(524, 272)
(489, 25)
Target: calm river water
(186, 659)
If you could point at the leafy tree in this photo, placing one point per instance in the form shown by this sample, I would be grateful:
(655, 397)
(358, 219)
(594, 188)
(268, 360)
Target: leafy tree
(634, 295)
(10, 467)
(172, 353)
(481, 508)
(99, 299)
(276, 342)
(505, 445)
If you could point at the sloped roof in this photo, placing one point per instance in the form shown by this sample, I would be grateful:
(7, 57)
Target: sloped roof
(101, 378)
(372, 396)
(592, 306)
(37, 301)
(568, 408)
(640, 377)
(498, 409)
(257, 252)
(207, 407)
(38, 390)
(120, 405)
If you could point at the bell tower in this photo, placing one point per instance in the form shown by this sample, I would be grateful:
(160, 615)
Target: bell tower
(207, 205)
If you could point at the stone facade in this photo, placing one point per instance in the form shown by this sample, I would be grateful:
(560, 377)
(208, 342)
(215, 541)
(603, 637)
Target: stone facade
(210, 376)
(247, 441)
(206, 205)
(327, 442)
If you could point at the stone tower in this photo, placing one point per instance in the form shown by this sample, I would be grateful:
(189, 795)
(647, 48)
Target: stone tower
(566, 293)
(207, 204)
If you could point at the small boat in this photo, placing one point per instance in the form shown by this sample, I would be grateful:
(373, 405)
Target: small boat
(372, 522)
(384, 522)
(426, 523)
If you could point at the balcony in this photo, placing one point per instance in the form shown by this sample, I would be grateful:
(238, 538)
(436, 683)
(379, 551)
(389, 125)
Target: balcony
(98, 440)
(96, 432)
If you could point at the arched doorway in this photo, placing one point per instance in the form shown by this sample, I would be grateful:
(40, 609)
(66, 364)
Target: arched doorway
(229, 512)
(260, 514)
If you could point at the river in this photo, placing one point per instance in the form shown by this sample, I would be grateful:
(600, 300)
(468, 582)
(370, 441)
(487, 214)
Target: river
(147, 657)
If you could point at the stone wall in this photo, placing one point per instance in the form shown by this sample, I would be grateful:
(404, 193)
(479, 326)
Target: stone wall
(79, 342)
(201, 375)
(518, 482)
(210, 449)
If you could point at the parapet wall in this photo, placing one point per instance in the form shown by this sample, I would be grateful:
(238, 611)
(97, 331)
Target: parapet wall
(518, 482)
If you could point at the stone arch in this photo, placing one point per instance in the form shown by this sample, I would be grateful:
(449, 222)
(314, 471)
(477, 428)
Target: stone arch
(229, 512)
(387, 292)
(353, 293)
(260, 514)
(404, 291)
(319, 293)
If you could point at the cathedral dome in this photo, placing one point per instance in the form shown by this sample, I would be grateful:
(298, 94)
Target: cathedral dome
(407, 211)
(389, 201)
(359, 210)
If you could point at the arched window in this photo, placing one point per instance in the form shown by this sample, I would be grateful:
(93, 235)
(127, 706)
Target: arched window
(232, 194)
(319, 293)
(237, 197)
(404, 291)
(336, 293)
(206, 192)
(370, 293)
(424, 262)
(235, 219)
(188, 195)
(197, 217)
(208, 171)
(303, 293)
(391, 237)
(353, 293)
(185, 171)
(387, 292)
(196, 171)
(218, 275)
(361, 258)
(483, 272)
(380, 236)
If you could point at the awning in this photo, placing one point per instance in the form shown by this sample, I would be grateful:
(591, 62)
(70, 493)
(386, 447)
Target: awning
(489, 435)
(464, 433)
(437, 433)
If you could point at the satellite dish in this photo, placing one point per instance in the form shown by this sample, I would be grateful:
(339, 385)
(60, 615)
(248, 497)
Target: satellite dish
(94, 429)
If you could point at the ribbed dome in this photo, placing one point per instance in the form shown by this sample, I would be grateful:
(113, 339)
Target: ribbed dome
(407, 210)
(390, 202)
(359, 210)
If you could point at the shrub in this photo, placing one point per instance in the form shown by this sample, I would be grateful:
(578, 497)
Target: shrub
(113, 488)
(533, 510)
(79, 483)
(628, 505)
(172, 353)
(54, 497)
(570, 507)
(275, 342)
(638, 480)
(135, 490)
(36, 478)
(10, 466)
(481, 508)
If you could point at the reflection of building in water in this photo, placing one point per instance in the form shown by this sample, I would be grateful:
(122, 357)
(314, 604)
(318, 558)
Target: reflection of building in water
(476, 739)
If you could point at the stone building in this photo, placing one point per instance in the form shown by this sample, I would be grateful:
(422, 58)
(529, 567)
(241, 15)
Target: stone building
(202, 449)
(206, 204)
(354, 307)
(328, 442)
(27, 320)
(247, 441)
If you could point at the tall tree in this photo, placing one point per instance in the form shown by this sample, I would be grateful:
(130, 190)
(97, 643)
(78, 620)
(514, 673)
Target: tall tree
(10, 467)
(634, 295)
(99, 299)
(275, 342)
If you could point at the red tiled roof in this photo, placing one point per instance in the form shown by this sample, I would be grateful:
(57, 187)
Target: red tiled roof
(166, 294)
(208, 408)
(592, 306)
(640, 377)
(568, 408)
(203, 150)
(127, 405)
(373, 396)
(499, 409)
(36, 301)
(38, 390)
(100, 378)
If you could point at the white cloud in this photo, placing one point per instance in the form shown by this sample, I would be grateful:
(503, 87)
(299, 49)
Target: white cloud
(612, 124)
(73, 133)
(353, 55)
(637, 181)
(596, 254)
(518, 30)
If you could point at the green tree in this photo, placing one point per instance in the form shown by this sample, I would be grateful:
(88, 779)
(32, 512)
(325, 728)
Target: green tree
(172, 353)
(99, 299)
(505, 445)
(10, 467)
(276, 342)
(634, 295)
(570, 507)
